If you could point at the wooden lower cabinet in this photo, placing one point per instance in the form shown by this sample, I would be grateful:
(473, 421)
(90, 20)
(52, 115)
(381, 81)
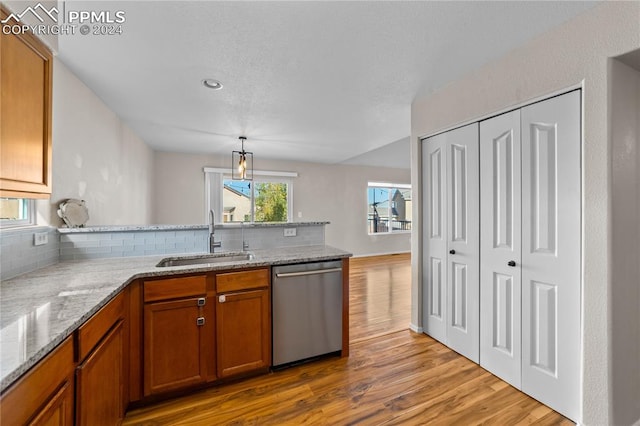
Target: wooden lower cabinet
(59, 409)
(243, 332)
(100, 382)
(175, 345)
(44, 395)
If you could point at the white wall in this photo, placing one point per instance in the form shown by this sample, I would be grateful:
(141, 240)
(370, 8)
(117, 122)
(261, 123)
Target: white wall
(574, 52)
(625, 212)
(334, 193)
(96, 157)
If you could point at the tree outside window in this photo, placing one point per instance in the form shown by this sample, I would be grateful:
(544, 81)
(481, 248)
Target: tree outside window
(271, 202)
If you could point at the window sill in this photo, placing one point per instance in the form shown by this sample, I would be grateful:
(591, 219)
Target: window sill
(389, 233)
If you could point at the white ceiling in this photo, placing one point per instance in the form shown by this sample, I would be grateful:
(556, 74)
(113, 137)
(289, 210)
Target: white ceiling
(312, 81)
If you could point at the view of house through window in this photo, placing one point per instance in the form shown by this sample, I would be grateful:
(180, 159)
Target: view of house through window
(259, 201)
(236, 199)
(388, 208)
(16, 212)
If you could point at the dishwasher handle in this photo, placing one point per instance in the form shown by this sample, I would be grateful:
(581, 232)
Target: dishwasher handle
(303, 273)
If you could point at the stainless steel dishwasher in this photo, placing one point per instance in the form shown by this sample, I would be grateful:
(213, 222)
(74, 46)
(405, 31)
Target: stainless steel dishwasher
(307, 311)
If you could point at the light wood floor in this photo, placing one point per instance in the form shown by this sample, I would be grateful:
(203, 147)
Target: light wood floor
(379, 295)
(392, 377)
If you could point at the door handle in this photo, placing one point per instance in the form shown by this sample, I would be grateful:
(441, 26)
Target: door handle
(452, 252)
(511, 263)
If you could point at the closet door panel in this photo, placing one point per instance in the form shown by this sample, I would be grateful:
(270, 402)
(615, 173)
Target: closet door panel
(434, 262)
(551, 252)
(500, 246)
(463, 235)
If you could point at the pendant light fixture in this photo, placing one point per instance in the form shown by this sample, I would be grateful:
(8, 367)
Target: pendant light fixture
(242, 163)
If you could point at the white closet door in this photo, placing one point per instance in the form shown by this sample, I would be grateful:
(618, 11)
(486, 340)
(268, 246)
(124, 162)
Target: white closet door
(434, 237)
(500, 247)
(463, 240)
(551, 252)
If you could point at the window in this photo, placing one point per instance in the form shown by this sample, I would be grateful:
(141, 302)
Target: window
(236, 199)
(17, 212)
(268, 198)
(262, 201)
(388, 208)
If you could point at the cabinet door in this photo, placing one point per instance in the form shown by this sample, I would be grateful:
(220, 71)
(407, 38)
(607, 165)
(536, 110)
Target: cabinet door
(174, 336)
(434, 230)
(44, 395)
(500, 246)
(100, 382)
(551, 252)
(59, 409)
(25, 119)
(243, 332)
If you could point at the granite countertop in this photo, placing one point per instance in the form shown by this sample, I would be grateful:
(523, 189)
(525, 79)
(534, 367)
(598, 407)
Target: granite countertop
(40, 309)
(142, 228)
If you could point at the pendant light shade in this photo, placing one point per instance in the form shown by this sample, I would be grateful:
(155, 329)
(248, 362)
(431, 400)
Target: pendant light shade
(242, 163)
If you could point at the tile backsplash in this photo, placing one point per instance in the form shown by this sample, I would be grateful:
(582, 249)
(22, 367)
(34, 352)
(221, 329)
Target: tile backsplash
(19, 255)
(95, 245)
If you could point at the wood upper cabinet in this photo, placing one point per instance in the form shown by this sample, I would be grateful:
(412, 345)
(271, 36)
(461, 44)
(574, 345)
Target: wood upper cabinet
(25, 115)
(243, 322)
(101, 376)
(44, 395)
(178, 334)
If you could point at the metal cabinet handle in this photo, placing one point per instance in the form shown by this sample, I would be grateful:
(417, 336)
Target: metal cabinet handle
(452, 252)
(200, 321)
(202, 301)
(222, 298)
(512, 263)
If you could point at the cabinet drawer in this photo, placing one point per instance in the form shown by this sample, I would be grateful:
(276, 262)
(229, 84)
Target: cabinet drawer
(92, 331)
(243, 280)
(174, 288)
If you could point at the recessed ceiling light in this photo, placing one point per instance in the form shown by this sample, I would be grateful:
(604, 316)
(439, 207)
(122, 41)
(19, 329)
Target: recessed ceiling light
(212, 84)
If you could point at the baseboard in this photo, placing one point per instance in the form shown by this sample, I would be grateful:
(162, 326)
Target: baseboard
(356, 256)
(415, 328)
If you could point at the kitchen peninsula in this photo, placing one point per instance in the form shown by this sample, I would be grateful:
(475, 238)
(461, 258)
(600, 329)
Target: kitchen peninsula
(56, 308)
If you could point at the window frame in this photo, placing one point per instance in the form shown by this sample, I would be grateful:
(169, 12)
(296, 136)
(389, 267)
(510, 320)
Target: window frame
(214, 187)
(391, 187)
(30, 220)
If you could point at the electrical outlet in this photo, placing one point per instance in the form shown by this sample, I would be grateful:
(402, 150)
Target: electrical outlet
(40, 238)
(299, 214)
(289, 232)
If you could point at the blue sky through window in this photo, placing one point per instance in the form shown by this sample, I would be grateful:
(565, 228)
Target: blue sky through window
(378, 195)
(239, 185)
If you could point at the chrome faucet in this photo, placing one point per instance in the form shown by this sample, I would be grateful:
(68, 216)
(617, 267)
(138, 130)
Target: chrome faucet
(245, 245)
(212, 237)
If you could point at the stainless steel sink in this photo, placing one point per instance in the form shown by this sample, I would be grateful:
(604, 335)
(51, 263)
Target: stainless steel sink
(203, 260)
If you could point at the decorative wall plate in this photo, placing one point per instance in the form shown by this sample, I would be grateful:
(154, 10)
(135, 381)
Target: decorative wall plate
(74, 213)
